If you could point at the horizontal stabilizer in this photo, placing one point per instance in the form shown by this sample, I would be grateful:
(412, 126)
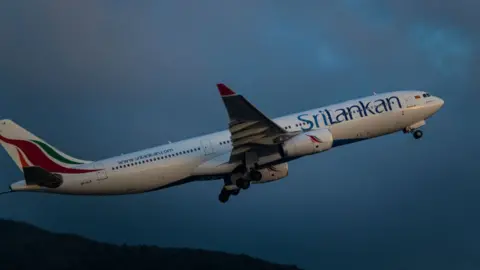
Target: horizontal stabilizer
(35, 175)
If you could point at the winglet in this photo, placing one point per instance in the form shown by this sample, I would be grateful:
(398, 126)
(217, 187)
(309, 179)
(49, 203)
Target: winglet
(224, 90)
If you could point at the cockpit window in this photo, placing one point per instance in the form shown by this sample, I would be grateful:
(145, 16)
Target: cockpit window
(426, 95)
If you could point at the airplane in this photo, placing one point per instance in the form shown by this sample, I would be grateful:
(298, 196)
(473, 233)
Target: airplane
(255, 149)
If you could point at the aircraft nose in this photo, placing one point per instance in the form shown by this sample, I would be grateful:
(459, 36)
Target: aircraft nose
(440, 102)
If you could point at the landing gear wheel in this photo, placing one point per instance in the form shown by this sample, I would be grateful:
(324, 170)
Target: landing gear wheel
(223, 196)
(255, 175)
(417, 134)
(243, 183)
(235, 192)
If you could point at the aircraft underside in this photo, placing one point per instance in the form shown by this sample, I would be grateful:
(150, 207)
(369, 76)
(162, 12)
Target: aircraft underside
(249, 172)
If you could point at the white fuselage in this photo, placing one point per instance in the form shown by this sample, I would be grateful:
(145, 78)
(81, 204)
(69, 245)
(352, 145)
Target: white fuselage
(207, 157)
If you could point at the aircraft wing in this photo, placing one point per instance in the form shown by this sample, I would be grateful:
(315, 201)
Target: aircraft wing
(250, 129)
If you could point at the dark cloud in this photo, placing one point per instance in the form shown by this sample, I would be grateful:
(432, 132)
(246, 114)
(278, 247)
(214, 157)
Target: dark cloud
(100, 78)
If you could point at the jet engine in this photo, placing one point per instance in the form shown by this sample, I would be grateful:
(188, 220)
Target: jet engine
(273, 173)
(308, 143)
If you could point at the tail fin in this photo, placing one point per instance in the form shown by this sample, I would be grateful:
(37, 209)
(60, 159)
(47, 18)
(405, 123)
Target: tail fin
(28, 150)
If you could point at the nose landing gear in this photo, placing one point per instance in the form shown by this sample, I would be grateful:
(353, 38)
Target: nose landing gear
(417, 134)
(414, 129)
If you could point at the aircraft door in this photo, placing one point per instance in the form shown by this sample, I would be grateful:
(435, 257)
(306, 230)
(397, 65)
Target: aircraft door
(207, 147)
(101, 173)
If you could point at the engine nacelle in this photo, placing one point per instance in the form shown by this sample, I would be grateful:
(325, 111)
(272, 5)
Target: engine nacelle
(273, 173)
(308, 143)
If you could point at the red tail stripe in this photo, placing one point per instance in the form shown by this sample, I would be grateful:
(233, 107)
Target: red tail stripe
(38, 158)
(22, 159)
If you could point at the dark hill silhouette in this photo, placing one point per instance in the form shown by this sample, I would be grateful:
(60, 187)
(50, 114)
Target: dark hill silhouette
(24, 246)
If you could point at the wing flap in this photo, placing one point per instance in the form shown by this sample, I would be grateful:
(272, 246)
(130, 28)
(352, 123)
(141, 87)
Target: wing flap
(249, 139)
(237, 127)
(248, 132)
(240, 150)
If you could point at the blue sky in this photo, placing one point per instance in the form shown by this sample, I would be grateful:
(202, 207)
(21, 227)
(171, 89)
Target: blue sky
(97, 79)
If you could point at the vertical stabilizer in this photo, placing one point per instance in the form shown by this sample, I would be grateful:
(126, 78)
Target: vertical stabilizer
(28, 150)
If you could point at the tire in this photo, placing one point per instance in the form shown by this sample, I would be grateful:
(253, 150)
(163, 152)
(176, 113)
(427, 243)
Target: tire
(255, 175)
(417, 134)
(243, 183)
(223, 197)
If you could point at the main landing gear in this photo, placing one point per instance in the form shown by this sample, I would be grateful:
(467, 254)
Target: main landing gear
(241, 177)
(244, 182)
(233, 186)
(225, 194)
